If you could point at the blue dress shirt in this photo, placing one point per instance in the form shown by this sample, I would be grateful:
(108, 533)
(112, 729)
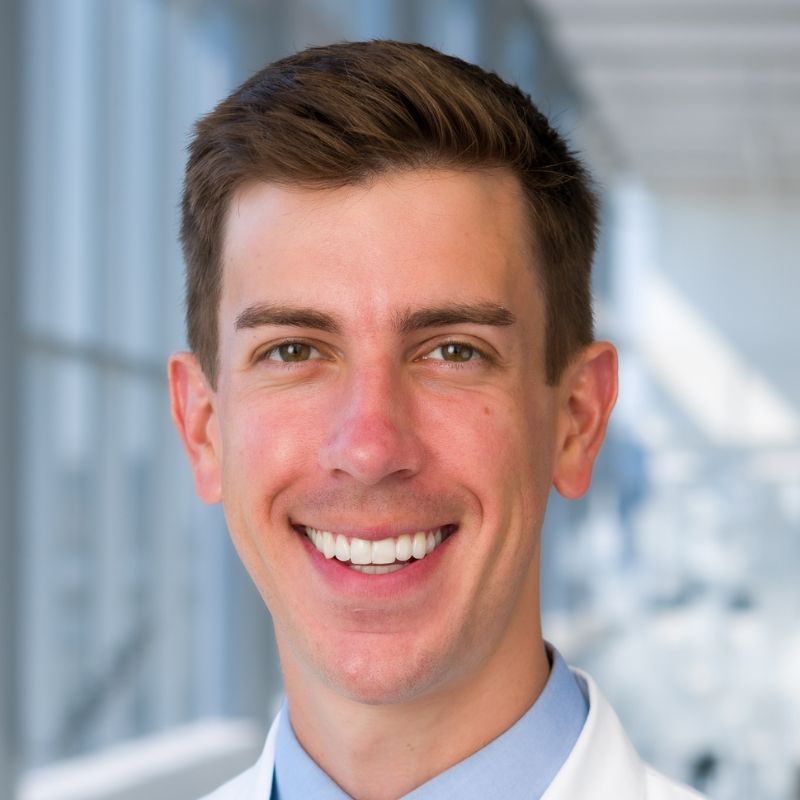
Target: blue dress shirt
(520, 763)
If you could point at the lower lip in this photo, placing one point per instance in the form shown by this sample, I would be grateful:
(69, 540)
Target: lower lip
(349, 581)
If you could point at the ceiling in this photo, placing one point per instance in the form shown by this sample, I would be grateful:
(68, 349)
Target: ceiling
(688, 92)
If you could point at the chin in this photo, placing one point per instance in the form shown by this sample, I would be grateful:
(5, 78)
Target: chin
(384, 674)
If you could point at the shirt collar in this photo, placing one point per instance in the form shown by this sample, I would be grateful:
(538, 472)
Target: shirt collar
(520, 763)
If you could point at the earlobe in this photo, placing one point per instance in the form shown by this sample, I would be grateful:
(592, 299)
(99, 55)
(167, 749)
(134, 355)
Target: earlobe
(193, 412)
(589, 391)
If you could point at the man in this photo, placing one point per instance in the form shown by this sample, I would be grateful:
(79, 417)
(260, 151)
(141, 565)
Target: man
(388, 254)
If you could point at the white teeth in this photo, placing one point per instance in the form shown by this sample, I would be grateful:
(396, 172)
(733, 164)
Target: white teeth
(375, 558)
(403, 549)
(360, 551)
(375, 569)
(342, 548)
(384, 551)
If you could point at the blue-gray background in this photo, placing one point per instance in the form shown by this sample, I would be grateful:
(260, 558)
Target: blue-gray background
(124, 611)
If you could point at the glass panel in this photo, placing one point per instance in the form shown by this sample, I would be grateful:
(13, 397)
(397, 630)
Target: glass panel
(59, 517)
(63, 170)
(132, 102)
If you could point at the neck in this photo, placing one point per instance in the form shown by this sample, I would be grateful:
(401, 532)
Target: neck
(379, 752)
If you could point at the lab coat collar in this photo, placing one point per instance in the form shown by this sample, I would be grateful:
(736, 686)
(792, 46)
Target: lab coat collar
(603, 765)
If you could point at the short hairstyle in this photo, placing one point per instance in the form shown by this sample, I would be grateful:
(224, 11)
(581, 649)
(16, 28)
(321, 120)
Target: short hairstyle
(339, 115)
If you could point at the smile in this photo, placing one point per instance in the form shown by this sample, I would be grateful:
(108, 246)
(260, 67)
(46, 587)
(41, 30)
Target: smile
(378, 557)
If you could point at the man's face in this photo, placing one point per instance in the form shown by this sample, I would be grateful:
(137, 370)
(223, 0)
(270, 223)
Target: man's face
(382, 376)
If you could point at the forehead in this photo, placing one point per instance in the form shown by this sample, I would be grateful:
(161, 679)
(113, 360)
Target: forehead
(399, 240)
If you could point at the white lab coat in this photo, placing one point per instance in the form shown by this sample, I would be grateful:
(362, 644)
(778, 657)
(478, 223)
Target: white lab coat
(603, 765)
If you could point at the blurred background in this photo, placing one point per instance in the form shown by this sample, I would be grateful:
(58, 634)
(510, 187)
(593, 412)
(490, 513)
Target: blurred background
(136, 660)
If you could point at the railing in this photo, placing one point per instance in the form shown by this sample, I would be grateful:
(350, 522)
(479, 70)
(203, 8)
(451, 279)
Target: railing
(181, 764)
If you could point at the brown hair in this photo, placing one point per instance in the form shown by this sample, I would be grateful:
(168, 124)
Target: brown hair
(337, 115)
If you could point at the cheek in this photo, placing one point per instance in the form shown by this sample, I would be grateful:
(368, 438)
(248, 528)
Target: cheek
(500, 450)
(267, 451)
(269, 439)
(496, 439)
(266, 448)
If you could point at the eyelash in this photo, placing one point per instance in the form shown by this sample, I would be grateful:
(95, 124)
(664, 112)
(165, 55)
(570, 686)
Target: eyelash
(264, 355)
(482, 355)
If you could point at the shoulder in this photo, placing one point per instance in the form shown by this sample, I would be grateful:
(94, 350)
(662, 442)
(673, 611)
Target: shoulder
(255, 782)
(604, 763)
(659, 787)
(235, 788)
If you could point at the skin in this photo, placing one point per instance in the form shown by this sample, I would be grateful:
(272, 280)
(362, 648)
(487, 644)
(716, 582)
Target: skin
(382, 426)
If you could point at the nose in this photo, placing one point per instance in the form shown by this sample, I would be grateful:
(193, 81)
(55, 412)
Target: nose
(372, 436)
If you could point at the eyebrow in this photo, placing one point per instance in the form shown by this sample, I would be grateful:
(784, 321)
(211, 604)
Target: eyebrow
(405, 322)
(454, 314)
(296, 317)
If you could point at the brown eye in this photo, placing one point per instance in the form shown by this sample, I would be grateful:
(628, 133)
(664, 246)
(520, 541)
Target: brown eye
(291, 352)
(457, 351)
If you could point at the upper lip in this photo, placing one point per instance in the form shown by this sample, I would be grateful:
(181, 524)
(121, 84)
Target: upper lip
(374, 532)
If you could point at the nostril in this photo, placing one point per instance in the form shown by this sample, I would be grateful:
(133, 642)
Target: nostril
(370, 449)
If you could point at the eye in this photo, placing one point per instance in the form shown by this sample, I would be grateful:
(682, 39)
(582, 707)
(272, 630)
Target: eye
(291, 352)
(455, 353)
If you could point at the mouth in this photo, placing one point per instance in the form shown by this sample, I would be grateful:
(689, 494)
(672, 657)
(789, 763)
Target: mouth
(377, 557)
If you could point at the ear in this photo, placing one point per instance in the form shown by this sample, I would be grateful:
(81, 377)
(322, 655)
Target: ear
(194, 415)
(588, 391)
